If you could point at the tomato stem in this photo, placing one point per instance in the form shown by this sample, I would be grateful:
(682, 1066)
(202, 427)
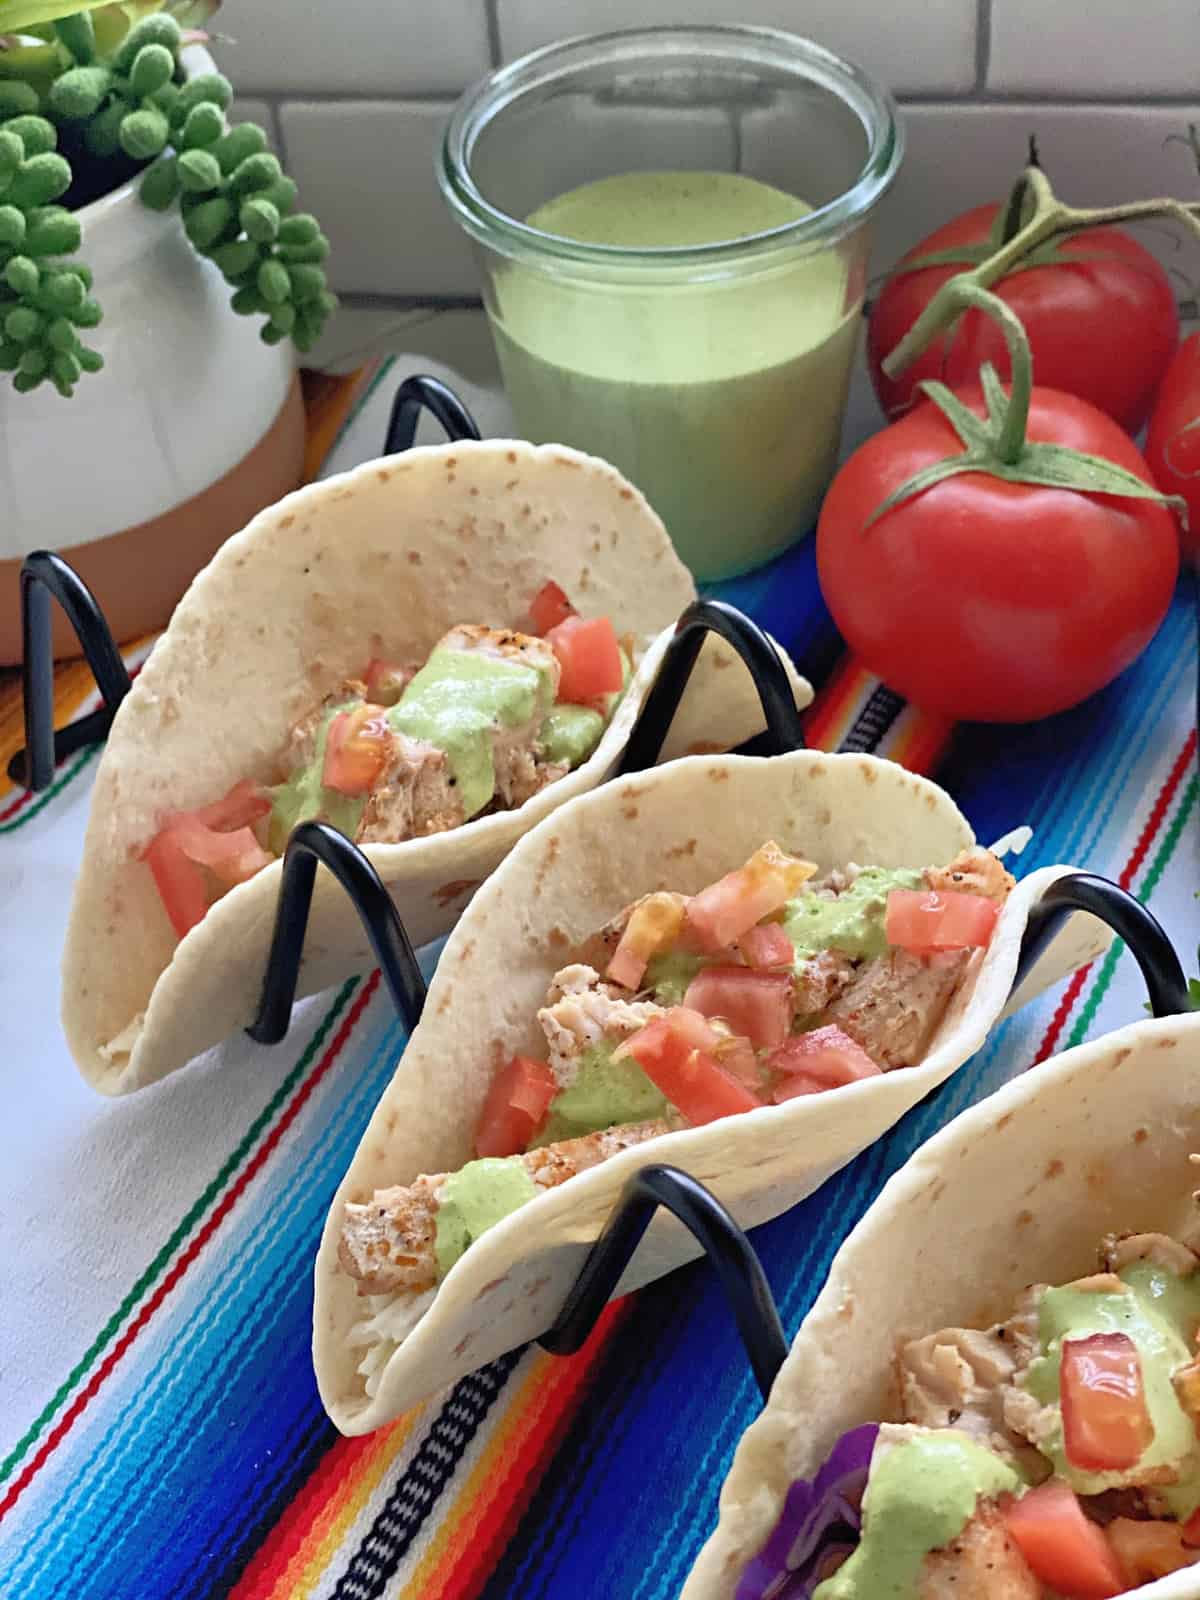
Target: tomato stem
(1048, 217)
(1009, 439)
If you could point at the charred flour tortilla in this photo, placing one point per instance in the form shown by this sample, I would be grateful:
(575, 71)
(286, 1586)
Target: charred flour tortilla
(678, 827)
(1021, 1189)
(386, 558)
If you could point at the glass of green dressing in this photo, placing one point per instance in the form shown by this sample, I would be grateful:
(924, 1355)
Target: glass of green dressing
(673, 227)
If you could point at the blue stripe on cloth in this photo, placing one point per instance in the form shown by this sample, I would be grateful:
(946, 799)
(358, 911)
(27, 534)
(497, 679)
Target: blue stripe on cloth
(188, 1444)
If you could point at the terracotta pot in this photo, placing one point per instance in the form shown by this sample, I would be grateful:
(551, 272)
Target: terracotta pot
(192, 426)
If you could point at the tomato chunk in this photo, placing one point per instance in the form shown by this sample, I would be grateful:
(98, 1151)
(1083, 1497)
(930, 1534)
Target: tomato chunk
(1064, 1550)
(927, 920)
(244, 803)
(729, 908)
(357, 747)
(1106, 1425)
(549, 607)
(767, 947)
(687, 1072)
(1148, 1550)
(825, 1058)
(758, 1005)
(653, 925)
(515, 1108)
(180, 882)
(385, 681)
(216, 837)
(589, 656)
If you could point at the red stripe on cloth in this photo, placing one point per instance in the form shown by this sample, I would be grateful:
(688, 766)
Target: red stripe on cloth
(822, 720)
(23, 799)
(1140, 851)
(491, 1532)
(88, 1393)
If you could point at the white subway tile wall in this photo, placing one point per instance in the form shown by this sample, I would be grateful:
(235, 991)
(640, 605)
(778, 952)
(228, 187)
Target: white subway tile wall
(360, 94)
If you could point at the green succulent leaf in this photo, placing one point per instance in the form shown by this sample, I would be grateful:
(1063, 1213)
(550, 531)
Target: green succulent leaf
(19, 16)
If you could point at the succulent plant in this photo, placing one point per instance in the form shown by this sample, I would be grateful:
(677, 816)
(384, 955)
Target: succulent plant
(106, 77)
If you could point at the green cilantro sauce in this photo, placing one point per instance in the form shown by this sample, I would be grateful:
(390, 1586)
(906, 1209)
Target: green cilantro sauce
(605, 1092)
(304, 797)
(1160, 1315)
(921, 1494)
(670, 973)
(474, 1199)
(455, 701)
(853, 922)
(570, 733)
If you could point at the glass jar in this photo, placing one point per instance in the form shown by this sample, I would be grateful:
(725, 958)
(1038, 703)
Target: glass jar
(694, 328)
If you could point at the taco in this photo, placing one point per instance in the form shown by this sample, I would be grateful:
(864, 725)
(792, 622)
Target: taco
(749, 968)
(997, 1393)
(431, 652)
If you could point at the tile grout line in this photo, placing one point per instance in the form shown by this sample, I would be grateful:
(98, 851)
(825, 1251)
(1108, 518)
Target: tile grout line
(983, 45)
(491, 17)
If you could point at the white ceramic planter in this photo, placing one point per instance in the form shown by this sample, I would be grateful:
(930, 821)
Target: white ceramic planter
(187, 393)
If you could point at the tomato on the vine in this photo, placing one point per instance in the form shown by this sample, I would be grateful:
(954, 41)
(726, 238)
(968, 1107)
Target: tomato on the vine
(1173, 442)
(987, 599)
(1097, 307)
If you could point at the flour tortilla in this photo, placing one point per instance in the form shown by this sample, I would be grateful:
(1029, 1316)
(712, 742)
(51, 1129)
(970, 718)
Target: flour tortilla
(388, 558)
(1018, 1190)
(676, 827)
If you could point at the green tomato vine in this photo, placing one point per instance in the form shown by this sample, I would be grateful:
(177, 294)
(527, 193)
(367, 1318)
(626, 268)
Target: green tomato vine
(135, 105)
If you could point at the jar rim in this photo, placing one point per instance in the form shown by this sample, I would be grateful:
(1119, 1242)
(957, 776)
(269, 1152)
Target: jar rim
(738, 43)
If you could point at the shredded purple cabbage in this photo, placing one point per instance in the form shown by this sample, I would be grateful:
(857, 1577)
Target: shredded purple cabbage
(816, 1527)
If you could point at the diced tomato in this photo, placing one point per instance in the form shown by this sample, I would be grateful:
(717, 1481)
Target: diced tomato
(549, 607)
(686, 1073)
(1148, 1550)
(757, 1005)
(926, 920)
(233, 857)
(767, 947)
(214, 836)
(515, 1108)
(825, 1058)
(652, 926)
(1191, 1529)
(180, 882)
(589, 656)
(385, 681)
(1106, 1426)
(357, 747)
(244, 803)
(729, 908)
(1064, 1550)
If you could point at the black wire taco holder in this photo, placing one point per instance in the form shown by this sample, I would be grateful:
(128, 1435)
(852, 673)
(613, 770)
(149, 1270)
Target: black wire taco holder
(46, 575)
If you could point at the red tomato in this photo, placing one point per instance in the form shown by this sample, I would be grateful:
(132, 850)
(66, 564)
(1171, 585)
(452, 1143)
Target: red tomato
(549, 607)
(767, 947)
(652, 925)
(926, 920)
(1101, 327)
(1148, 1550)
(1106, 1426)
(244, 803)
(1064, 1550)
(515, 1108)
(357, 747)
(1173, 444)
(686, 1073)
(824, 1058)
(385, 681)
(180, 883)
(215, 836)
(589, 656)
(989, 600)
(757, 1005)
(722, 913)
